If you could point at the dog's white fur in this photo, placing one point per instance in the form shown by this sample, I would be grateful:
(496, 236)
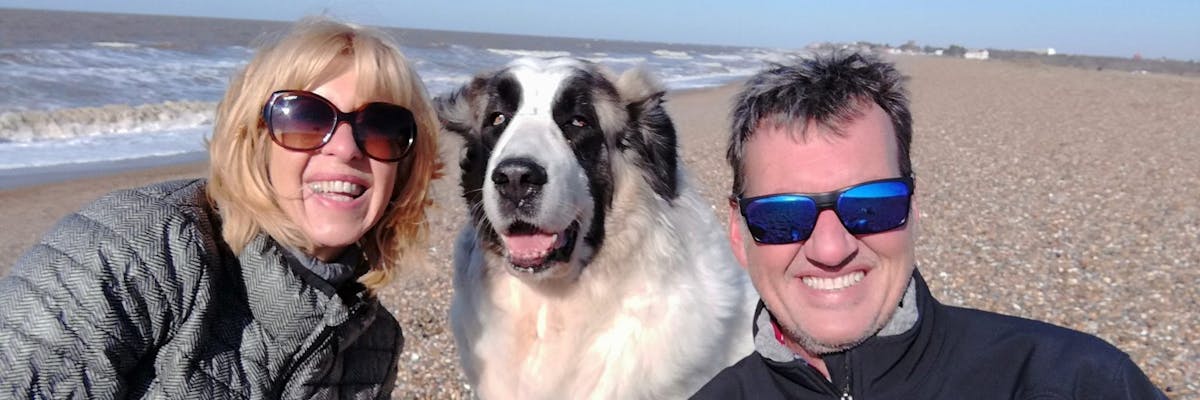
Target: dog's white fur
(659, 309)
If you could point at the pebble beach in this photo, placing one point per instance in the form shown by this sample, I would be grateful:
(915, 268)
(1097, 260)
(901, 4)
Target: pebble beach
(1065, 195)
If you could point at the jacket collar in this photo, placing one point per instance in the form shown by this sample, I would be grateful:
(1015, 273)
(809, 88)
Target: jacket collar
(347, 267)
(883, 361)
(768, 340)
(290, 302)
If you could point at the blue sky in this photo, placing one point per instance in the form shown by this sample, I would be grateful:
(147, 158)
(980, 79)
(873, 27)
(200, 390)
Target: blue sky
(1099, 27)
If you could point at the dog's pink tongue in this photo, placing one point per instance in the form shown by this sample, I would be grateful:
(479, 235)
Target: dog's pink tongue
(529, 248)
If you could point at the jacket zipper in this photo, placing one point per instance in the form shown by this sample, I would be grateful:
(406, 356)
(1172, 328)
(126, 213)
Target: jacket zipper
(322, 338)
(846, 387)
(304, 355)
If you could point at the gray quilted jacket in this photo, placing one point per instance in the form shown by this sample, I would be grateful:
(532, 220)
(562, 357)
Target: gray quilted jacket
(136, 296)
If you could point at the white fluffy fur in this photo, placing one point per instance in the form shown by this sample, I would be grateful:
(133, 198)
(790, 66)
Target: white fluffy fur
(659, 310)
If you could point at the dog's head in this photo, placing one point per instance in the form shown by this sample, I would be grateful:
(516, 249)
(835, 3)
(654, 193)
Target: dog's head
(547, 142)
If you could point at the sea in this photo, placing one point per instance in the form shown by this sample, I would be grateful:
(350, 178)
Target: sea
(88, 92)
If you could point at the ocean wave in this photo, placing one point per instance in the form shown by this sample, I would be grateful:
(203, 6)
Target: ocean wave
(723, 57)
(529, 53)
(696, 79)
(615, 60)
(28, 126)
(779, 56)
(674, 55)
(119, 45)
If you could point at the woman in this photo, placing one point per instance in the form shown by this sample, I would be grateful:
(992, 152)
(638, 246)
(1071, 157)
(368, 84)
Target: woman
(257, 282)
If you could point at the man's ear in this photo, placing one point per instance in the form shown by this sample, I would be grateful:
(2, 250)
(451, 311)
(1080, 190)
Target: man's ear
(736, 240)
(914, 218)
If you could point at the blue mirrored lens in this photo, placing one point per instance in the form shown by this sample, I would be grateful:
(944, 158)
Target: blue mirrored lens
(781, 219)
(874, 208)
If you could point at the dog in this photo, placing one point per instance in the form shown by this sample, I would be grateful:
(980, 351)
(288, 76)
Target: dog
(589, 268)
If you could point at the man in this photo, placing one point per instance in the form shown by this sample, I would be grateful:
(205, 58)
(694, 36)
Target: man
(823, 218)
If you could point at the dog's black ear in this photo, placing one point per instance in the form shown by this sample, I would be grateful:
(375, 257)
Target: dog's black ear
(457, 110)
(649, 133)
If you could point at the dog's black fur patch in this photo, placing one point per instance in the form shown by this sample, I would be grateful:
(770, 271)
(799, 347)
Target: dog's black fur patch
(469, 112)
(576, 100)
(651, 136)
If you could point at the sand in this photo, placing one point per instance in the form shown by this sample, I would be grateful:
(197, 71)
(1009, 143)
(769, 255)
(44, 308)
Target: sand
(1058, 194)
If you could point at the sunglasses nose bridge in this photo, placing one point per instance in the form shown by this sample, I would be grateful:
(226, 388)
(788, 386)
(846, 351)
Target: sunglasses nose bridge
(829, 243)
(340, 142)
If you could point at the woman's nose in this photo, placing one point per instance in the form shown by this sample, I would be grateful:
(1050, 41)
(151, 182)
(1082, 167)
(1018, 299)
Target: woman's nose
(342, 144)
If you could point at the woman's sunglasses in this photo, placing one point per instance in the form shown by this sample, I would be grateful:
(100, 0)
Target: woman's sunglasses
(302, 121)
(869, 207)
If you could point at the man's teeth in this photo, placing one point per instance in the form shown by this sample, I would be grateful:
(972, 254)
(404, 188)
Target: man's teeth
(337, 187)
(840, 282)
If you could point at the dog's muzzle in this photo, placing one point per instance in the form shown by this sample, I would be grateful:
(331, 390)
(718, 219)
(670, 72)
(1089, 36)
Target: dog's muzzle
(518, 182)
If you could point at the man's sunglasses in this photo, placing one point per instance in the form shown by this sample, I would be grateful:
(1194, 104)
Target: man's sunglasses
(302, 121)
(868, 207)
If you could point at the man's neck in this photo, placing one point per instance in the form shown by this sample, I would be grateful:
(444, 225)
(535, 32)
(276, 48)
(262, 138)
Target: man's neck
(813, 360)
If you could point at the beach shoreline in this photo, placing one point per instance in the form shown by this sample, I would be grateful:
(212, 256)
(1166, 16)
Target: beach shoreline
(17, 178)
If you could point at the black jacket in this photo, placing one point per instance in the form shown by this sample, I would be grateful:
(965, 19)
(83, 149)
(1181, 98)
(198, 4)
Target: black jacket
(949, 353)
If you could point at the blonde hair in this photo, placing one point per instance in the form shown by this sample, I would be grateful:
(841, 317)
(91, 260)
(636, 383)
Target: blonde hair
(316, 50)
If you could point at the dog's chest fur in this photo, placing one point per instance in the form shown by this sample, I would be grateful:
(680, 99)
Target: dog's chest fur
(655, 315)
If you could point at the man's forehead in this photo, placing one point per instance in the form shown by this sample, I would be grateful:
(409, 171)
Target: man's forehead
(801, 126)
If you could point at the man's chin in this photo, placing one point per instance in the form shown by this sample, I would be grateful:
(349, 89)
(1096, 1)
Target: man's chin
(829, 342)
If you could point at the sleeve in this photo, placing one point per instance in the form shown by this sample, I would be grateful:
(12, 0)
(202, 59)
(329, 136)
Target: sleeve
(83, 309)
(1126, 382)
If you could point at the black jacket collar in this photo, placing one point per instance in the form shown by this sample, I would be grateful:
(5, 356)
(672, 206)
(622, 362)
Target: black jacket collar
(882, 364)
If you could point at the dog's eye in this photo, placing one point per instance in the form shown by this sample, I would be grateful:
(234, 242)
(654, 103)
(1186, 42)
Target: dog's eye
(499, 119)
(579, 122)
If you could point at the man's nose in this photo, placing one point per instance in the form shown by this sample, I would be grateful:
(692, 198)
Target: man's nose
(830, 244)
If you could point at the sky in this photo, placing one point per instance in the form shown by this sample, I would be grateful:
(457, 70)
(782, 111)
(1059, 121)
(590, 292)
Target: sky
(1154, 29)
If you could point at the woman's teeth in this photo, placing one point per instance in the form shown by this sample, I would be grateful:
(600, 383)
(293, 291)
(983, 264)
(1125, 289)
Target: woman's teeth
(338, 188)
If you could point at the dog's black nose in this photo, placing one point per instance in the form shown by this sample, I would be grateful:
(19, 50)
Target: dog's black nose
(518, 179)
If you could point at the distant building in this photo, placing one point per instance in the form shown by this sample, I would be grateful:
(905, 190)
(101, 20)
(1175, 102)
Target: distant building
(976, 55)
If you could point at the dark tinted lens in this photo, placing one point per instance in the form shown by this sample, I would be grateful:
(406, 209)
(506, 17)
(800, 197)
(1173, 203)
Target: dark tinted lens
(385, 131)
(300, 122)
(781, 218)
(874, 207)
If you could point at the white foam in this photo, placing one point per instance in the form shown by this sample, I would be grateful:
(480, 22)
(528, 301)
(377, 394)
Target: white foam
(31, 126)
(15, 155)
(615, 60)
(693, 80)
(675, 55)
(119, 45)
(529, 53)
(723, 57)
